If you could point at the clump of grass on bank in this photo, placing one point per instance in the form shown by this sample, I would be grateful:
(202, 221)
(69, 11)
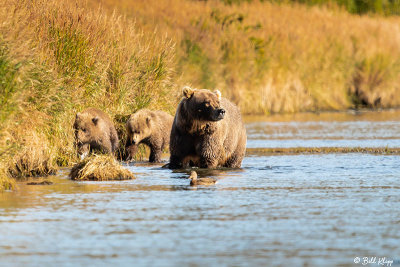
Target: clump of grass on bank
(6, 183)
(32, 162)
(100, 168)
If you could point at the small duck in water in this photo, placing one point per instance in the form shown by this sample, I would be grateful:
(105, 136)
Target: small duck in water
(200, 181)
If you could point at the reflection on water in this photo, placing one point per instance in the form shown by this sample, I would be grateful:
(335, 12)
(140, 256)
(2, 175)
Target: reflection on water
(365, 129)
(277, 210)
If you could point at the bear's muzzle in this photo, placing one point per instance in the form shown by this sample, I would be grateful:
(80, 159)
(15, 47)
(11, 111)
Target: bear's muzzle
(217, 114)
(220, 113)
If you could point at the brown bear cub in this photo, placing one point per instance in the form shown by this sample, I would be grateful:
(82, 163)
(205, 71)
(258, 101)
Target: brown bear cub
(94, 131)
(152, 128)
(207, 132)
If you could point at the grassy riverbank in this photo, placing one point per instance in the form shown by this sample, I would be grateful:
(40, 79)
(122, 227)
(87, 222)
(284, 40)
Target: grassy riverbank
(59, 57)
(270, 57)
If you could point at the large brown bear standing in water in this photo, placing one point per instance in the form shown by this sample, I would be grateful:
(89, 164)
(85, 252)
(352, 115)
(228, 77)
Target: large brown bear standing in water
(207, 131)
(94, 130)
(152, 128)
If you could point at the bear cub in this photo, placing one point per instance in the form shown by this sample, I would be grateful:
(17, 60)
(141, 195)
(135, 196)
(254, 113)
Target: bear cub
(94, 131)
(151, 128)
(207, 132)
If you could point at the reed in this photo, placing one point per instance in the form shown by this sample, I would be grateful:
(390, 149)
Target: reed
(271, 57)
(6, 182)
(32, 162)
(60, 57)
(100, 168)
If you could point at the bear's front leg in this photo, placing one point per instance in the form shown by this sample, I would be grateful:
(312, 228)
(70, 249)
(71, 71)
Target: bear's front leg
(155, 154)
(175, 162)
(209, 163)
(180, 147)
(107, 147)
(209, 150)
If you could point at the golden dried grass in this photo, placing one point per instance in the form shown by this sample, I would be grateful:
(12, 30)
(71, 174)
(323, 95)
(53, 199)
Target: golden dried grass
(32, 162)
(100, 168)
(32, 155)
(59, 57)
(270, 57)
(6, 182)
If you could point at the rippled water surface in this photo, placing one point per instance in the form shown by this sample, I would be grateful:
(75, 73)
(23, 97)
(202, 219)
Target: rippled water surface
(318, 210)
(362, 129)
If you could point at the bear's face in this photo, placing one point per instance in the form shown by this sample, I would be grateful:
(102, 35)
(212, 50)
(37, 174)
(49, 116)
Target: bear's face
(138, 128)
(86, 129)
(203, 104)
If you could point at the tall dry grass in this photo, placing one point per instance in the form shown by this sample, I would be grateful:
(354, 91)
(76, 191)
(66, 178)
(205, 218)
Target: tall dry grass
(100, 168)
(59, 57)
(270, 57)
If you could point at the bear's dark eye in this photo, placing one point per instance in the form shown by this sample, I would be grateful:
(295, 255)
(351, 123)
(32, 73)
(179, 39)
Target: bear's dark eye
(84, 130)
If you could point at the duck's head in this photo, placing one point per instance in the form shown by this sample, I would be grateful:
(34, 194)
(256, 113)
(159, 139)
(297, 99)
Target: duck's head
(193, 175)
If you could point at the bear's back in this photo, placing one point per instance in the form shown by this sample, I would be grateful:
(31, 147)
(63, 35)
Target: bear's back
(95, 112)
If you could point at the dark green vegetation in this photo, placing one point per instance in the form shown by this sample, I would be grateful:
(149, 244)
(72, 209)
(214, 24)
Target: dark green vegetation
(382, 7)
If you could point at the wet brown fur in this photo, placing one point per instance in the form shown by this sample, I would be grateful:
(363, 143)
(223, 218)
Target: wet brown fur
(151, 128)
(198, 140)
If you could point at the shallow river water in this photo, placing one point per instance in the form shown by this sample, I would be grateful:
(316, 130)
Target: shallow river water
(279, 210)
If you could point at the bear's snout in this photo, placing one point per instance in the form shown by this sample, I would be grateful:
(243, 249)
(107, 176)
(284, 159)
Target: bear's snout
(218, 114)
(221, 113)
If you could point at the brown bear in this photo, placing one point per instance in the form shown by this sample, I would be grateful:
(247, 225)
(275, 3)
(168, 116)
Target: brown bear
(152, 128)
(207, 132)
(94, 131)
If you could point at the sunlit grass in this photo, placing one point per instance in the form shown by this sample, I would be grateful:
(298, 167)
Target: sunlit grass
(6, 182)
(59, 57)
(270, 57)
(100, 168)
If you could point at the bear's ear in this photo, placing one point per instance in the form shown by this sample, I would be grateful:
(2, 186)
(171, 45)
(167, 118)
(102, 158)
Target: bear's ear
(218, 93)
(148, 121)
(78, 115)
(188, 92)
(95, 120)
